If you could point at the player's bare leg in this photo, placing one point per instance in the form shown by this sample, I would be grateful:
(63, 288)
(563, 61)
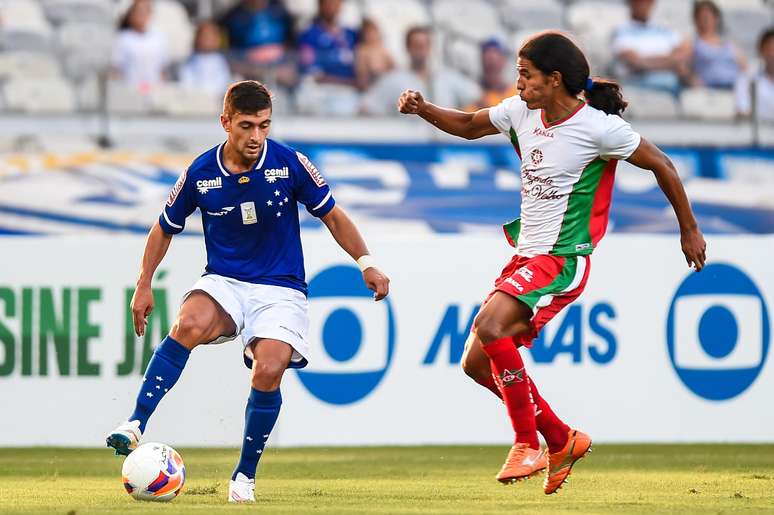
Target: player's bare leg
(270, 360)
(199, 320)
(503, 316)
(475, 364)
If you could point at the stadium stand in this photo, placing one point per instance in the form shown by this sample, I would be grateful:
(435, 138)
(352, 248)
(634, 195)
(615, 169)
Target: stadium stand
(694, 102)
(71, 39)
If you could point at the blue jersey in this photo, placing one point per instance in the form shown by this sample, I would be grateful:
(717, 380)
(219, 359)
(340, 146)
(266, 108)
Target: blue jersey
(331, 53)
(250, 219)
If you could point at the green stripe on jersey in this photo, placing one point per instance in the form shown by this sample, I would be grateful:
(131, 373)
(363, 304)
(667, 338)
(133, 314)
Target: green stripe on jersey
(515, 141)
(558, 285)
(574, 236)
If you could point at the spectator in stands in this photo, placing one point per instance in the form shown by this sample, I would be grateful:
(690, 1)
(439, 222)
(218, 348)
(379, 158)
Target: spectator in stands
(648, 55)
(207, 69)
(716, 62)
(327, 50)
(496, 84)
(445, 86)
(372, 59)
(327, 61)
(755, 92)
(139, 53)
(260, 35)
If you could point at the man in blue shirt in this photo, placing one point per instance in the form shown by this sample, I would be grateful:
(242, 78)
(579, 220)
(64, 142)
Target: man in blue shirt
(247, 190)
(260, 35)
(326, 55)
(648, 55)
(327, 50)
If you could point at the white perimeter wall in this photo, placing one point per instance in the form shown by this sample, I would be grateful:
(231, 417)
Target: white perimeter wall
(613, 375)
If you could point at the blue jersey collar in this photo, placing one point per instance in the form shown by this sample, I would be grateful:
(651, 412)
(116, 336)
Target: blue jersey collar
(257, 165)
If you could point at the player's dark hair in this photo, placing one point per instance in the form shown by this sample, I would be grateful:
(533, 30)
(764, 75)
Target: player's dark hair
(554, 52)
(765, 36)
(246, 97)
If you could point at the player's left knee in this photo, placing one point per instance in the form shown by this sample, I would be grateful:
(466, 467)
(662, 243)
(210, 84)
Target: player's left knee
(489, 329)
(267, 375)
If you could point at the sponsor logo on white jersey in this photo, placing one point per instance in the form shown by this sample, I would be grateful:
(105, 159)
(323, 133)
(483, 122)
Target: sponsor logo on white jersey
(538, 187)
(272, 174)
(206, 185)
(538, 131)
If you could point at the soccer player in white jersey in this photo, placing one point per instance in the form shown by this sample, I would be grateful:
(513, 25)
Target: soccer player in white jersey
(247, 190)
(569, 134)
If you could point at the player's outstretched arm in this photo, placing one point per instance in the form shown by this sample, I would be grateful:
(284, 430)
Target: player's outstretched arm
(348, 237)
(142, 301)
(650, 157)
(458, 123)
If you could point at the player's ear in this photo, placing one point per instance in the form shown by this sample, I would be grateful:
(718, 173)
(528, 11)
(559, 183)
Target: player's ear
(555, 78)
(225, 121)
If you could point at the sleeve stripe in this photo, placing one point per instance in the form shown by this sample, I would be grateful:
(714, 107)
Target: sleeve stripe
(171, 224)
(321, 204)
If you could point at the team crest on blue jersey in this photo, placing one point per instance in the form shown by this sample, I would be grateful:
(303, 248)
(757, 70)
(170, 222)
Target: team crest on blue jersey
(272, 174)
(244, 179)
(248, 213)
(206, 185)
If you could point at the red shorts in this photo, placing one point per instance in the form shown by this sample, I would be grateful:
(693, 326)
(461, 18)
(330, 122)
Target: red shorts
(545, 283)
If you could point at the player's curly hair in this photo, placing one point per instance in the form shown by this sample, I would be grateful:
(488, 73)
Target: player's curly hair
(552, 51)
(246, 97)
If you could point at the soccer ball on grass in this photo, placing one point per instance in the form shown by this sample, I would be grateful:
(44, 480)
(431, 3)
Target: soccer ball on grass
(153, 472)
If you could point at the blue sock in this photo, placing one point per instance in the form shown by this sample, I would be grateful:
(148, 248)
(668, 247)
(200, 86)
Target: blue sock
(163, 371)
(260, 415)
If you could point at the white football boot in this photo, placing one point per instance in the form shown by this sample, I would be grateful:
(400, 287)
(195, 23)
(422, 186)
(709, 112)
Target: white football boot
(241, 489)
(124, 438)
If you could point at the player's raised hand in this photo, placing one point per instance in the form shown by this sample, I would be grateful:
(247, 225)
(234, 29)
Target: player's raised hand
(142, 305)
(410, 102)
(694, 248)
(377, 282)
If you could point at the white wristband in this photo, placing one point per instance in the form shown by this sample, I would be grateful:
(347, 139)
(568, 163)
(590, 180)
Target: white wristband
(365, 262)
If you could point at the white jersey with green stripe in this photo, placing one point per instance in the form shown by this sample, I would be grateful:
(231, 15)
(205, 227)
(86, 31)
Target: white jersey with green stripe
(567, 172)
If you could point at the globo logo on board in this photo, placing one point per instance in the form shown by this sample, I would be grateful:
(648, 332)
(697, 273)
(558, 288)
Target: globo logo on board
(357, 335)
(718, 332)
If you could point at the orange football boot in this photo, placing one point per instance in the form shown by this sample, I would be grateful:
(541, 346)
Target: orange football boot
(522, 463)
(560, 463)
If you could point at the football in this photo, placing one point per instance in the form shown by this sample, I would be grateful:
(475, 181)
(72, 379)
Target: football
(153, 472)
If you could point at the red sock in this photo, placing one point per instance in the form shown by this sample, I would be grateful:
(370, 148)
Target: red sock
(550, 426)
(514, 385)
(490, 384)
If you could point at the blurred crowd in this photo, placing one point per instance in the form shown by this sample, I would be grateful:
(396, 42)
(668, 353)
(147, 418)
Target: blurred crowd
(325, 66)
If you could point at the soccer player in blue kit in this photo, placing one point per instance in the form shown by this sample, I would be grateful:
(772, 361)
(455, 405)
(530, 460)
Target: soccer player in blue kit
(247, 190)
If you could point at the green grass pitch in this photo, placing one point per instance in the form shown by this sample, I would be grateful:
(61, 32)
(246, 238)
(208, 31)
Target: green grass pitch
(613, 479)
